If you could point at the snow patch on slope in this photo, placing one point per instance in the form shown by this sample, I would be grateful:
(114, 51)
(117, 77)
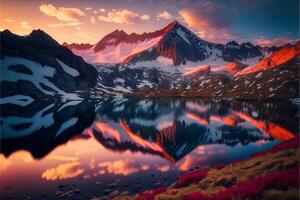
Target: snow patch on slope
(19, 100)
(182, 35)
(116, 53)
(37, 78)
(67, 69)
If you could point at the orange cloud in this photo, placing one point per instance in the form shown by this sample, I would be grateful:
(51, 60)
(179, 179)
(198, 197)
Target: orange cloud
(210, 21)
(102, 10)
(9, 20)
(62, 13)
(4, 163)
(122, 167)
(145, 17)
(63, 171)
(164, 15)
(92, 163)
(64, 158)
(188, 162)
(164, 168)
(123, 17)
(93, 20)
(145, 167)
(25, 25)
(58, 25)
(262, 41)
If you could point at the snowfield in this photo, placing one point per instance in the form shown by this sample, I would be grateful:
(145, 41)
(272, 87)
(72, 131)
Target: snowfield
(36, 74)
(116, 53)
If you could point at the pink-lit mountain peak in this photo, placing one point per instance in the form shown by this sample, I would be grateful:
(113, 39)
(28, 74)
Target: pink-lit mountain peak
(174, 42)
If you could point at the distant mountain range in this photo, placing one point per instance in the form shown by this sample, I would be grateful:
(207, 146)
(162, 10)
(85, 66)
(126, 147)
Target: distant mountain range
(174, 42)
(172, 61)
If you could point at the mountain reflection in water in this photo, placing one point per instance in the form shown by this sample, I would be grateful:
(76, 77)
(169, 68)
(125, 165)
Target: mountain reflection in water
(58, 143)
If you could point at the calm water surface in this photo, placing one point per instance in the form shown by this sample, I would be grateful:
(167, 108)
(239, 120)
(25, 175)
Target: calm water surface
(82, 149)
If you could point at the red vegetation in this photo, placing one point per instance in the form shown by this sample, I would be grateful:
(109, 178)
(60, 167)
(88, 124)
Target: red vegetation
(191, 177)
(220, 166)
(252, 189)
(290, 144)
(277, 58)
(150, 195)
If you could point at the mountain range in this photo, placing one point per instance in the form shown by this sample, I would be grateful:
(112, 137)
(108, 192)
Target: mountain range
(174, 42)
(172, 61)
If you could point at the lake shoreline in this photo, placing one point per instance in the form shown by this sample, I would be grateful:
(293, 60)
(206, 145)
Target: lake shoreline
(262, 174)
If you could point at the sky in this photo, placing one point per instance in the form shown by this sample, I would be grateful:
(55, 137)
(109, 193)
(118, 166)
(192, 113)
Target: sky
(263, 22)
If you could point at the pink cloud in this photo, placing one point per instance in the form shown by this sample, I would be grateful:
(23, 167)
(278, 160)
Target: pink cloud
(145, 17)
(25, 25)
(93, 20)
(164, 168)
(164, 15)
(124, 16)
(62, 13)
(121, 167)
(262, 41)
(211, 21)
(63, 171)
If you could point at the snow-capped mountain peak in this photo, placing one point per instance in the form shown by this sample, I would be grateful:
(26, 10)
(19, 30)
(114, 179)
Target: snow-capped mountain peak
(173, 42)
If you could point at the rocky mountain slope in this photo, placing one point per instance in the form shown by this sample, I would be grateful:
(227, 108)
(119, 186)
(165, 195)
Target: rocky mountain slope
(172, 61)
(36, 65)
(274, 77)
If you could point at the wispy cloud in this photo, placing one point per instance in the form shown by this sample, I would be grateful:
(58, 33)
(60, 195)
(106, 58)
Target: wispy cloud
(93, 20)
(145, 17)
(58, 25)
(4, 163)
(211, 20)
(25, 25)
(9, 20)
(164, 15)
(102, 10)
(121, 167)
(63, 171)
(124, 16)
(62, 13)
(262, 41)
